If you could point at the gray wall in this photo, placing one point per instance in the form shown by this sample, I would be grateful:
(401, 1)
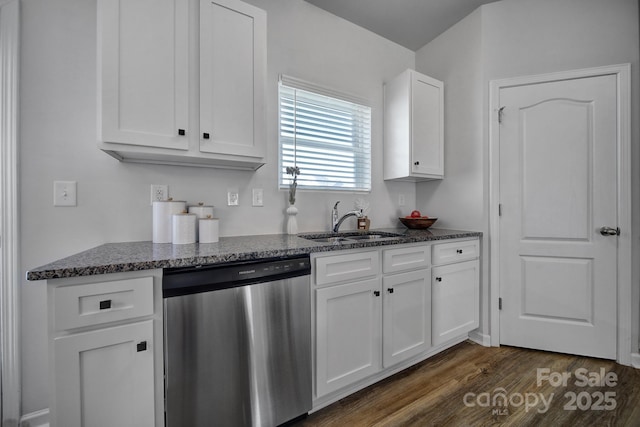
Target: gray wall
(518, 38)
(58, 142)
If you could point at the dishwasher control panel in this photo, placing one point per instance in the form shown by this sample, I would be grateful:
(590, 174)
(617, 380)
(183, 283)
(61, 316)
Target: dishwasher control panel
(203, 278)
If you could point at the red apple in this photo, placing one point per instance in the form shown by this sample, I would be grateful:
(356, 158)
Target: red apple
(416, 214)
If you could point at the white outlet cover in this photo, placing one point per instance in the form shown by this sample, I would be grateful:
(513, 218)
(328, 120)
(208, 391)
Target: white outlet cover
(159, 192)
(258, 197)
(65, 193)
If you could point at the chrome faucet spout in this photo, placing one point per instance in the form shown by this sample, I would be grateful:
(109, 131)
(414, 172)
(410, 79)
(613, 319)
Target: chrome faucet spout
(357, 214)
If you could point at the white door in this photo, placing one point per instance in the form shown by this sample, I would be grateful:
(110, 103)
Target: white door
(427, 123)
(232, 77)
(455, 300)
(105, 377)
(406, 316)
(557, 189)
(144, 72)
(348, 330)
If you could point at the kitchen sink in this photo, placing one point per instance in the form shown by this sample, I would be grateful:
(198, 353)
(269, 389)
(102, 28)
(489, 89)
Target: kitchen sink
(369, 237)
(352, 237)
(327, 239)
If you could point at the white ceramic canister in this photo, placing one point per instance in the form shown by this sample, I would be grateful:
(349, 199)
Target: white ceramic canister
(209, 230)
(163, 211)
(201, 211)
(184, 228)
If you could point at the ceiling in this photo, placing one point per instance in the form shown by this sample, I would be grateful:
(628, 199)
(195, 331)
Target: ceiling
(410, 23)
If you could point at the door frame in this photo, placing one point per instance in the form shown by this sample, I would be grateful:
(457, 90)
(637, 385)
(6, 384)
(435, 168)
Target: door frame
(10, 279)
(625, 303)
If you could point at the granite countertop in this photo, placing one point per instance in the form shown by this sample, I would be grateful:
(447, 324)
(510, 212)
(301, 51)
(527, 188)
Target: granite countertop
(132, 256)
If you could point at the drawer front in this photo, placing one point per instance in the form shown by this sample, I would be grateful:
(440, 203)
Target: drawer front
(445, 253)
(339, 268)
(403, 259)
(96, 303)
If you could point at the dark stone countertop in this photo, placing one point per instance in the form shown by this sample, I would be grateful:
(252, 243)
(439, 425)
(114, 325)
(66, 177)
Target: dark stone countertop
(132, 256)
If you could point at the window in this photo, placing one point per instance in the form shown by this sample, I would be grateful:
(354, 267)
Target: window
(327, 135)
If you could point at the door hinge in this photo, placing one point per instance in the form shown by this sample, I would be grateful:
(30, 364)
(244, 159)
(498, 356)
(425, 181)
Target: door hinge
(500, 113)
(499, 209)
(499, 303)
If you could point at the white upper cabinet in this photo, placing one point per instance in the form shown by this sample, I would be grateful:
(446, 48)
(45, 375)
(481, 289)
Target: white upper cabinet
(413, 128)
(182, 82)
(143, 66)
(232, 77)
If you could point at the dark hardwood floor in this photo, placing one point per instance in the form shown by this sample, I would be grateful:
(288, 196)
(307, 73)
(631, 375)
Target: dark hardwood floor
(472, 385)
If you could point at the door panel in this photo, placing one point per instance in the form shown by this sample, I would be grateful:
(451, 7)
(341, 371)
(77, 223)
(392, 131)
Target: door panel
(426, 123)
(556, 205)
(348, 334)
(406, 316)
(232, 67)
(557, 188)
(569, 280)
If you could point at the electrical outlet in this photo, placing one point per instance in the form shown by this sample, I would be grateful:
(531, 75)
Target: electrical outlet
(401, 199)
(258, 197)
(159, 192)
(64, 193)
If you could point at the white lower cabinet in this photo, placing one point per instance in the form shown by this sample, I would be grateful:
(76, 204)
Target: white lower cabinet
(380, 311)
(347, 334)
(105, 377)
(455, 300)
(105, 358)
(368, 321)
(406, 316)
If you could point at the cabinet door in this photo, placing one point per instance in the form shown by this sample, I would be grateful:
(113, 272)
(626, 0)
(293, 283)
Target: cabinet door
(105, 377)
(143, 72)
(406, 315)
(232, 78)
(348, 338)
(455, 300)
(427, 125)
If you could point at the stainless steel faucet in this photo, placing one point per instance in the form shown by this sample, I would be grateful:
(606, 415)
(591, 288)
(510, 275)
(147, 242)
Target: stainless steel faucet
(336, 223)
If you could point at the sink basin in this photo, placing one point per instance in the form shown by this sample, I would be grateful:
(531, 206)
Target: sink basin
(369, 237)
(327, 239)
(351, 237)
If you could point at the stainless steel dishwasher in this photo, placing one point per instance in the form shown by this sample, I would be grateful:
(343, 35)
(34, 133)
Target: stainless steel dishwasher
(237, 343)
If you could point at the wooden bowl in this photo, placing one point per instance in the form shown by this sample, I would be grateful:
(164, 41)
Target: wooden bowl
(418, 223)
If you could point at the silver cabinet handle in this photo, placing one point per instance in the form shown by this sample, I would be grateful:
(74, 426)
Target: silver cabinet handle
(610, 231)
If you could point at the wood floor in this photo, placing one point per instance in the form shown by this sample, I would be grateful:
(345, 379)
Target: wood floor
(472, 385)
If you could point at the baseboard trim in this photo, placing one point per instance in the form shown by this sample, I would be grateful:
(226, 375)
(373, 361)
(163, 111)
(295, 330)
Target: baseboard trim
(635, 360)
(482, 339)
(35, 419)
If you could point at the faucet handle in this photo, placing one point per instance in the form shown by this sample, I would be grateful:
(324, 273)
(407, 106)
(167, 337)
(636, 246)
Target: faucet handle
(336, 205)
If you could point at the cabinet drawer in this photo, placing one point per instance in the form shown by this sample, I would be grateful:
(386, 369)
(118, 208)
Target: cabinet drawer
(444, 253)
(402, 259)
(95, 303)
(338, 268)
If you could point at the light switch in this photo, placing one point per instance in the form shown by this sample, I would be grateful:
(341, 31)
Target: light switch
(233, 198)
(64, 193)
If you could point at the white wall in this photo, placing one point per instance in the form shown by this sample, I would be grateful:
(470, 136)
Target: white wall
(458, 201)
(522, 37)
(58, 142)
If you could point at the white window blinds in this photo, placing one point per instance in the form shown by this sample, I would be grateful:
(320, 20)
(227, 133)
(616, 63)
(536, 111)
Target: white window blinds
(326, 134)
